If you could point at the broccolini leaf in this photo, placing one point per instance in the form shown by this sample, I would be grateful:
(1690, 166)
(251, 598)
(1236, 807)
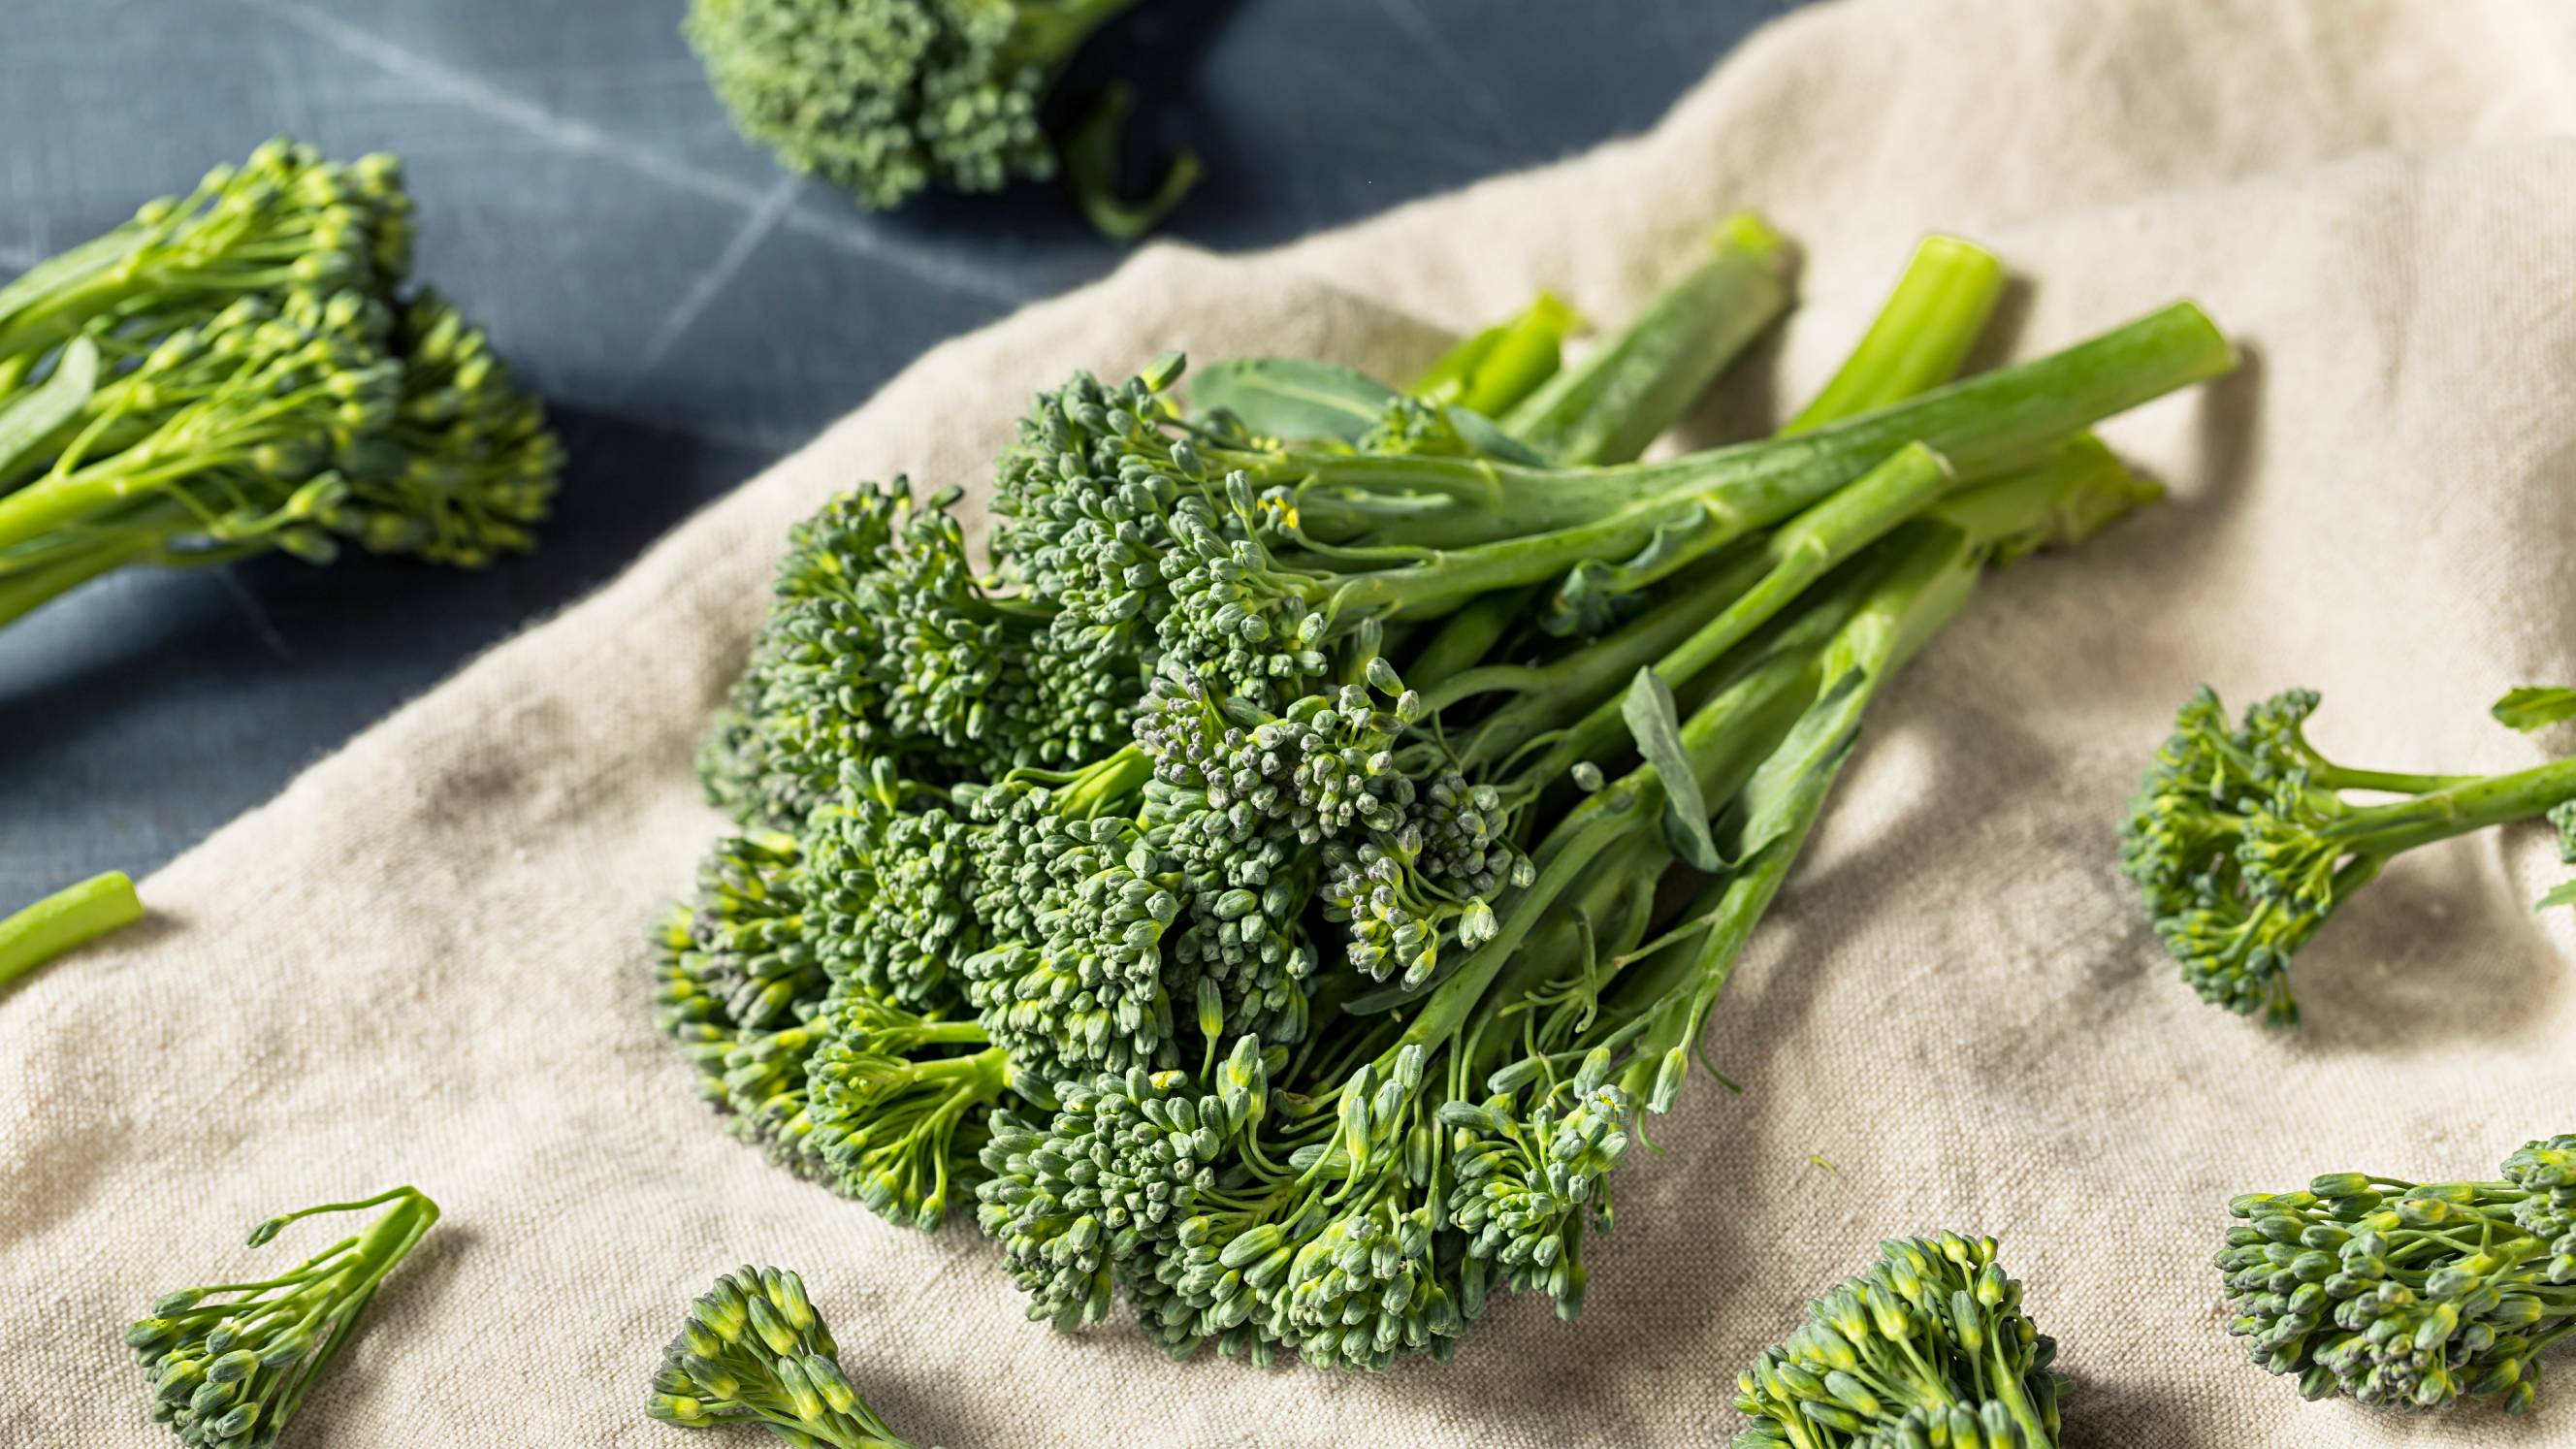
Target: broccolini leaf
(1656, 722)
(2533, 706)
(1290, 397)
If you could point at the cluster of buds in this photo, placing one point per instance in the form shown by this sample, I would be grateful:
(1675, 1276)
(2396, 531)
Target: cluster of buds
(754, 1351)
(2407, 1293)
(1929, 1348)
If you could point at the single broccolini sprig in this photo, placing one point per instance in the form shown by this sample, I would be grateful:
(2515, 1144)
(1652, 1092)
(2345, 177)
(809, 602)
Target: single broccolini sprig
(753, 1351)
(231, 1362)
(64, 920)
(2410, 1294)
(888, 98)
(2244, 840)
(1929, 1350)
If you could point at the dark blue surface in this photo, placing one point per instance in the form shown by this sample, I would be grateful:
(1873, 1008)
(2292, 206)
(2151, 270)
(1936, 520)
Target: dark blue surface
(691, 311)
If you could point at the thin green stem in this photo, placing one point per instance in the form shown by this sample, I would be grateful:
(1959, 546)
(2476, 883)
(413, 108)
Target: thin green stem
(2401, 825)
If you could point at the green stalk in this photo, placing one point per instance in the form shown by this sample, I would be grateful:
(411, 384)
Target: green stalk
(1492, 371)
(2382, 831)
(1920, 337)
(66, 919)
(1984, 425)
(1609, 407)
(1791, 560)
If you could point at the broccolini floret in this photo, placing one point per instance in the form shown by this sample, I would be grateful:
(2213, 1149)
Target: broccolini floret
(2245, 839)
(1929, 1348)
(231, 1362)
(888, 98)
(753, 1351)
(2410, 1294)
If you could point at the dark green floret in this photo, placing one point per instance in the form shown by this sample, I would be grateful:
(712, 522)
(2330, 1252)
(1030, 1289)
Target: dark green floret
(889, 98)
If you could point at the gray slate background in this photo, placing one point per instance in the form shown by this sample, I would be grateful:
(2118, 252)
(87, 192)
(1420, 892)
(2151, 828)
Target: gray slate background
(691, 311)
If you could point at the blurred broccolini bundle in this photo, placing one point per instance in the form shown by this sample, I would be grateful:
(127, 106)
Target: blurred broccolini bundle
(1928, 1350)
(242, 369)
(2407, 1293)
(889, 98)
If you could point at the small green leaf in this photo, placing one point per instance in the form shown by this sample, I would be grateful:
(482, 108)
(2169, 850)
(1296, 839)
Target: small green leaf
(1656, 723)
(2565, 895)
(29, 418)
(1288, 397)
(1486, 436)
(2533, 706)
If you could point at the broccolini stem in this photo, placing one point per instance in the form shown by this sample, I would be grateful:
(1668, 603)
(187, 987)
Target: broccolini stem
(66, 919)
(1465, 638)
(22, 593)
(1793, 559)
(1492, 371)
(1920, 337)
(1983, 425)
(1045, 35)
(1639, 382)
(2401, 825)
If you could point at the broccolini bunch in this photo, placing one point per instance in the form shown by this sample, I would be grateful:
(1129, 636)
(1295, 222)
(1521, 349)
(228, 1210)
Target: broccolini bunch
(888, 98)
(230, 1363)
(1929, 1350)
(754, 1351)
(1253, 891)
(2245, 839)
(241, 369)
(2410, 1294)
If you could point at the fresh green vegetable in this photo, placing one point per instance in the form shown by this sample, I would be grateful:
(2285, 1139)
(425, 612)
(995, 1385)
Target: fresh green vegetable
(888, 98)
(64, 920)
(241, 369)
(231, 1362)
(1930, 1348)
(2409, 1293)
(1302, 997)
(2243, 841)
(753, 1351)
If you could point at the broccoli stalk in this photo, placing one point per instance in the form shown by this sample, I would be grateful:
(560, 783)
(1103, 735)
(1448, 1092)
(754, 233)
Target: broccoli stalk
(230, 1363)
(2243, 841)
(2409, 1294)
(235, 372)
(65, 920)
(888, 98)
(753, 1351)
(1930, 1347)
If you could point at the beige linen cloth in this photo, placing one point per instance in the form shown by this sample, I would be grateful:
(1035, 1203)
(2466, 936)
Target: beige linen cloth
(423, 962)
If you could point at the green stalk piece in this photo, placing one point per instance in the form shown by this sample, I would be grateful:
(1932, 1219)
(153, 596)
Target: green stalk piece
(887, 99)
(1929, 1350)
(2409, 1294)
(2244, 840)
(231, 1363)
(241, 370)
(65, 920)
(753, 1351)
